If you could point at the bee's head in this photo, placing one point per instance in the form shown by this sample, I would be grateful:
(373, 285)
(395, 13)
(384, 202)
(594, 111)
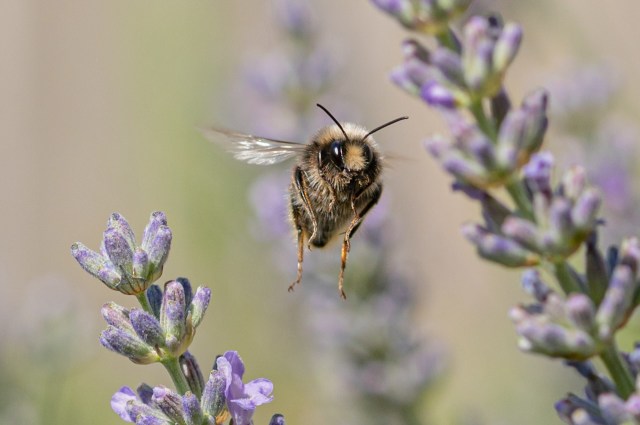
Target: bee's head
(348, 147)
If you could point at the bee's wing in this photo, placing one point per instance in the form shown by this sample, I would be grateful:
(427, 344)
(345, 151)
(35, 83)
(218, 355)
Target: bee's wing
(254, 149)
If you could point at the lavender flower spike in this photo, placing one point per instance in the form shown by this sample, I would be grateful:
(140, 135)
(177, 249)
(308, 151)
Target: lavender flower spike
(122, 265)
(242, 399)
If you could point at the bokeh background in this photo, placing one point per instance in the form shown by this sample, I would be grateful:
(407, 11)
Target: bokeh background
(101, 102)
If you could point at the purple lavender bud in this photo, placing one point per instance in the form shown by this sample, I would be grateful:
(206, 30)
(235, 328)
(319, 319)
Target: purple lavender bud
(450, 65)
(116, 315)
(118, 250)
(534, 286)
(140, 264)
(537, 172)
(437, 95)
(128, 345)
(402, 10)
(581, 312)
(277, 419)
(158, 251)
(157, 219)
(630, 254)
(522, 231)
(178, 334)
(613, 409)
(191, 407)
(540, 336)
(499, 249)
(477, 68)
(294, 17)
(535, 108)
(510, 143)
(413, 49)
(411, 75)
(199, 305)
(145, 393)
(213, 396)
(191, 371)
(186, 287)
(596, 271)
(506, 46)
(96, 265)
(614, 309)
(632, 406)
(473, 142)
(585, 210)
(154, 296)
(147, 327)
(500, 106)
(170, 403)
(119, 224)
(560, 224)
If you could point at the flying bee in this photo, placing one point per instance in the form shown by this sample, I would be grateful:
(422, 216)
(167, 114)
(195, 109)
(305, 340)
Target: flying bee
(334, 184)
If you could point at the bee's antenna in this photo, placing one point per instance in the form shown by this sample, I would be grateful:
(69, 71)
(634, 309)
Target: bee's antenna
(334, 120)
(383, 126)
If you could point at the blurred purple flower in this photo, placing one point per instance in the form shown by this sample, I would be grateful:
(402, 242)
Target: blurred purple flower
(242, 399)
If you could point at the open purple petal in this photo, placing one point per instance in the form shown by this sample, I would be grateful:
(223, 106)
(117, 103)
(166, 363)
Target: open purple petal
(120, 400)
(237, 365)
(259, 389)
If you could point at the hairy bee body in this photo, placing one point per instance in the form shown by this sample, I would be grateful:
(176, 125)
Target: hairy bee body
(330, 189)
(334, 184)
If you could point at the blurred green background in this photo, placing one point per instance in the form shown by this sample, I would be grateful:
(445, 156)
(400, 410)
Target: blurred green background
(100, 107)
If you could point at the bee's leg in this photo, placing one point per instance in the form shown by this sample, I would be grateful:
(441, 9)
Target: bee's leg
(353, 226)
(301, 187)
(359, 216)
(300, 251)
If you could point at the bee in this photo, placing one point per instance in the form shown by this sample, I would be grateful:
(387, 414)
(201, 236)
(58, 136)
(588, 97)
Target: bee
(334, 184)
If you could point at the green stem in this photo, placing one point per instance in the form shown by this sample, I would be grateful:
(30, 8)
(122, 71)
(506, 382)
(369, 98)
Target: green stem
(566, 278)
(485, 123)
(519, 195)
(144, 302)
(618, 370)
(446, 39)
(173, 367)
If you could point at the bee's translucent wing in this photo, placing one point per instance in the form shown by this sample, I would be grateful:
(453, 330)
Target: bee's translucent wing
(254, 149)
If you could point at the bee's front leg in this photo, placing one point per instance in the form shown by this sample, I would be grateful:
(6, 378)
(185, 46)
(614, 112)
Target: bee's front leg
(301, 189)
(353, 226)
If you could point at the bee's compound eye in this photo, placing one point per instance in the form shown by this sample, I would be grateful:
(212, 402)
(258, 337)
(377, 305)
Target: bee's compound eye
(336, 151)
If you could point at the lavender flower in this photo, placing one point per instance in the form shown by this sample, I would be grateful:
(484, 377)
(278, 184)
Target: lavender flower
(242, 399)
(122, 265)
(542, 225)
(161, 332)
(144, 338)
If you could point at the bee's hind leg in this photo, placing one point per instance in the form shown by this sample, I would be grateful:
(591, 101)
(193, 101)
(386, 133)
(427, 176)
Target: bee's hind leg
(300, 257)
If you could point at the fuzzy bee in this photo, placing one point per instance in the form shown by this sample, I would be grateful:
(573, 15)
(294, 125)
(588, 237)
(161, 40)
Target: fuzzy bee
(334, 184)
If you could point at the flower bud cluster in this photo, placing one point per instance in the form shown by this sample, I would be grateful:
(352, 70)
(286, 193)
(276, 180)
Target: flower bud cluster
(426, 16)
(562, 219)
(574, 327)
(166, 333)
(450, 79)
(224, 396)
(600, 407)
(122, 264)
(477, 160)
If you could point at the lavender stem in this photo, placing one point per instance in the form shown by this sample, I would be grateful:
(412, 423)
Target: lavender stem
(144, 302)
(618, 370)
(485, 123)
(566, 279)
(519, 195)
(173, 368)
